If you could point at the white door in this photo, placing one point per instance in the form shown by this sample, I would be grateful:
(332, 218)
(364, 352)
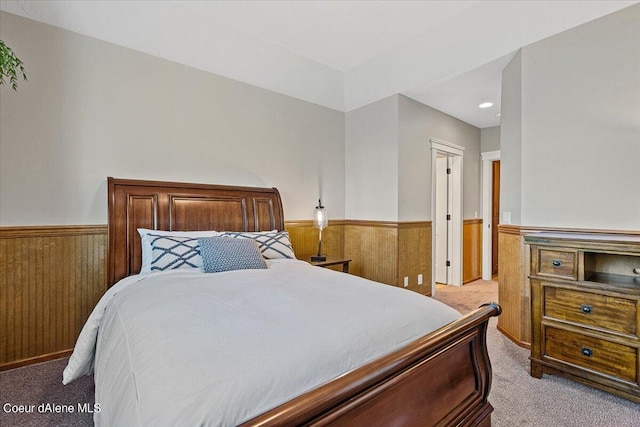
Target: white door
(446, 240)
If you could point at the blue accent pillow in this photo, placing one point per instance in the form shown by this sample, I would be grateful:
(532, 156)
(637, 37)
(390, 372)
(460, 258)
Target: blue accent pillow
(226, 254)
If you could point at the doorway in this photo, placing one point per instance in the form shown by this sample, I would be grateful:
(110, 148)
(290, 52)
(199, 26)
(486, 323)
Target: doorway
(490, 212)
(446, 212)
(495, 214)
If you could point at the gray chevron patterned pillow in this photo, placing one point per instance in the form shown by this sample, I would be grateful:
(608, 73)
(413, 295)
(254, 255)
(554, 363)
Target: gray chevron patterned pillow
(173, 252)
(273, 244)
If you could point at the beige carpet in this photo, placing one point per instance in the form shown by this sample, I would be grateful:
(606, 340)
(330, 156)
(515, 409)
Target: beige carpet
(468, 297)
(521, 400)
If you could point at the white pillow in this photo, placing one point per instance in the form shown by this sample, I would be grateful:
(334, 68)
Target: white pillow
(273, 244)
(147, 249)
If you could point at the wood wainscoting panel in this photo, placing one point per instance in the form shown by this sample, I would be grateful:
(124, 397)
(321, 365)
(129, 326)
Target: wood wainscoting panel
(52, 277)
(304, 238)
(513, 293)
(384, 251)
(50, 280)
(471, 250)
(414, 255)
(373, 248)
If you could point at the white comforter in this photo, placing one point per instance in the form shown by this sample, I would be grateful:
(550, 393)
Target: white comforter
(188, 348)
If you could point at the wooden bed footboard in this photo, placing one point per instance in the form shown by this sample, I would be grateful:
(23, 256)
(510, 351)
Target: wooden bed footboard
(442, 379)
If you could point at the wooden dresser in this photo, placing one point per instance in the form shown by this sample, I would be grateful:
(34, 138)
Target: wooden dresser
(585, 314)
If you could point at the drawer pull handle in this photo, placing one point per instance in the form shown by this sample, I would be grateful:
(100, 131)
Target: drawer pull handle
(586, 308)
(556, 263)
(586, 351)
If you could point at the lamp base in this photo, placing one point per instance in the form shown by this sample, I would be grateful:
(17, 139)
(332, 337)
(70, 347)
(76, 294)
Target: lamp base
(317, 258)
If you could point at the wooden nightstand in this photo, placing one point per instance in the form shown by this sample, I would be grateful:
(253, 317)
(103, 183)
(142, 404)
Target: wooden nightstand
(331, 261)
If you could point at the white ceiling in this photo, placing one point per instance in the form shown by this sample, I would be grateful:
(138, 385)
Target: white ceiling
(339, 54)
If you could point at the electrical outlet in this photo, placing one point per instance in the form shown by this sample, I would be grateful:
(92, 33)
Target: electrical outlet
(406, 282)
(419, 279)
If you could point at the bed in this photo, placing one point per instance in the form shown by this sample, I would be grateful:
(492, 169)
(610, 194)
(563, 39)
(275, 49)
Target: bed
(288, 344)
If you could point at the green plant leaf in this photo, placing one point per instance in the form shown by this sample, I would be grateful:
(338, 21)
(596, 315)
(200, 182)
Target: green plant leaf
(9, 66)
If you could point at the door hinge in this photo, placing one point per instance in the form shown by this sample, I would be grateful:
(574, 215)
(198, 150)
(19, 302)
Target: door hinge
(448, 171)
(448, 263)
(448, 217)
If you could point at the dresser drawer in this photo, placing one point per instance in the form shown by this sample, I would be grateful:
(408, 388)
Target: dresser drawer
(602, 311)
(603, 356)
(557, 263)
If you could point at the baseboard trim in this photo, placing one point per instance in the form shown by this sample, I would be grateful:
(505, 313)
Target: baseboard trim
(515, 341)
(37, 359)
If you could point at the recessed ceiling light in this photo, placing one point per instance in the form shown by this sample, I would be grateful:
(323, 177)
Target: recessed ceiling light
(486, 105)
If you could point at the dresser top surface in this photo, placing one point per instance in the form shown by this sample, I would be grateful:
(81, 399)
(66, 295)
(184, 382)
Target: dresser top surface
(547, 237)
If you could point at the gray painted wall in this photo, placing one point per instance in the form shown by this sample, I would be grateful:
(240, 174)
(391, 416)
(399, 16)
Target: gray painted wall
(371, 153)
(511, 141)
(92, 109)
(490, 139)
(417, 124)
(581, 127)
(388, 160)
(578, 140)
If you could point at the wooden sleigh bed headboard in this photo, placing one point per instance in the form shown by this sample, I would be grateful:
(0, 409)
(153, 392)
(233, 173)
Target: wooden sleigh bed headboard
(175, 206)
